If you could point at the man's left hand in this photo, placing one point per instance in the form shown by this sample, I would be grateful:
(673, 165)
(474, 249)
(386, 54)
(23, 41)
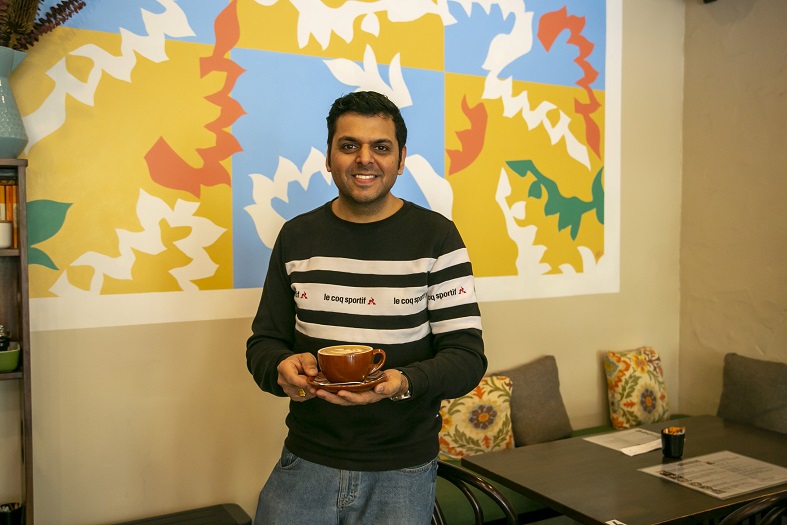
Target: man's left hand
(395, 383)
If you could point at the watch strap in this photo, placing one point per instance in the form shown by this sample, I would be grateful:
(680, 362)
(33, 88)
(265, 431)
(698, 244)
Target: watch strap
(407, 393)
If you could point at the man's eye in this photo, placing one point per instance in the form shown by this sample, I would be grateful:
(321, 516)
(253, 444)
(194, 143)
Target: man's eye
(348, 146)
(382, 148)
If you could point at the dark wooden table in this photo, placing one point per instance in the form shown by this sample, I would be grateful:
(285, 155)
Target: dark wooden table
(594, 484)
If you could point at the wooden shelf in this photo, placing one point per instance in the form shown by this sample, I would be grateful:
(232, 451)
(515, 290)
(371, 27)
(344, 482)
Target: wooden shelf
(5, 376)
(15, 316)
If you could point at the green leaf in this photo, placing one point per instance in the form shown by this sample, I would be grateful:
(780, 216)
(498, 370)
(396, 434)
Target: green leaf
(501, 436)
(568, 209)
(598, 196)
(466, 441)
(628, 386)
(36, 256)
(44, 219)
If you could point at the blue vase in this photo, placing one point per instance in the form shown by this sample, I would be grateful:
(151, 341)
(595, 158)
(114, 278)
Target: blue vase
(13, 138)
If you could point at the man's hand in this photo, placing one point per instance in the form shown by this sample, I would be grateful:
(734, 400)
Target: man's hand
(294, 373)
(395, 383)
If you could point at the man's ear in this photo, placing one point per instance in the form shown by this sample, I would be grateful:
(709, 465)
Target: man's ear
(401, 159)
(328, 161)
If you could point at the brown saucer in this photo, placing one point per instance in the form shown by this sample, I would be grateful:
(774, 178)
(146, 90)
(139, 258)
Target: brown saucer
(373, 379)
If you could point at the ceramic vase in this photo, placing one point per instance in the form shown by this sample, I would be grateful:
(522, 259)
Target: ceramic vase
(13, 138)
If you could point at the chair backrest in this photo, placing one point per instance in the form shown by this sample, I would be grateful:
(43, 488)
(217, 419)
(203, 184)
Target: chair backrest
(463, 479)
(754, 392)
(771, 508)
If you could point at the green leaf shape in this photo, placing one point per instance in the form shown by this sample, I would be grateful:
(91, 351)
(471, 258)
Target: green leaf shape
(455, 406)
(501, 436)
(466, 442)
(597, 191)
(568, 209)
(628, 386)
(499, 387)
(44, 219)
(36, 256)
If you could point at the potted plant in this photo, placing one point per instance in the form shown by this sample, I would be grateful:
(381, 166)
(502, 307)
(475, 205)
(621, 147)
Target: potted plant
(20, 28)
(9, 351)
(20, 25)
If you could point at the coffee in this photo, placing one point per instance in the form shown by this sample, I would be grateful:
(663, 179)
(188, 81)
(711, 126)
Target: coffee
(341, 350)
(349, 363)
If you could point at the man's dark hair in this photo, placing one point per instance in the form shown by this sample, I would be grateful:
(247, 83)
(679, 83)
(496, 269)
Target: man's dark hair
(368, 103)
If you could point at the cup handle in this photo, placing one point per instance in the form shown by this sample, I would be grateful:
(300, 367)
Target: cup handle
(377, 366)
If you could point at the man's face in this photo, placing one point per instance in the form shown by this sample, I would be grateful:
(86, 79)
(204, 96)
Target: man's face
(364, 161)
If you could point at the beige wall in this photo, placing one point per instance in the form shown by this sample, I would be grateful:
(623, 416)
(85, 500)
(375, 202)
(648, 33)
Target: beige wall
(734, 228)
(136, 421)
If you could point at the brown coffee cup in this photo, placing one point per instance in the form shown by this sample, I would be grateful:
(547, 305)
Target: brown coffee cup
(349, 363)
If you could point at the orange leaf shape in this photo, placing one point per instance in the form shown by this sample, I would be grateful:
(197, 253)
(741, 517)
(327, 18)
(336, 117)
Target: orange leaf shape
(472, 139)
(166, 167)
(549, 27)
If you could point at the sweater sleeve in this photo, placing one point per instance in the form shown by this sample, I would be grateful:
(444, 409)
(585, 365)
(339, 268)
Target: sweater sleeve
(457, 368)
(273, 327)
(459, 362)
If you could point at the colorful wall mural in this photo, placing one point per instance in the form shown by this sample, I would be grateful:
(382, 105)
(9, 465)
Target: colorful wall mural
(171, 139)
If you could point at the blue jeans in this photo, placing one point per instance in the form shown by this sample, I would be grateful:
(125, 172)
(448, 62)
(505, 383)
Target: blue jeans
(300, 492)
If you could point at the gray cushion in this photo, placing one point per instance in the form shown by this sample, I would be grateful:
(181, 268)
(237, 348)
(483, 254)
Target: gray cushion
(754, 392)
(537, 410)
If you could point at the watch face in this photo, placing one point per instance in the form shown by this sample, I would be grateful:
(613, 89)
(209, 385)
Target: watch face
(400, 397)
(406, 394)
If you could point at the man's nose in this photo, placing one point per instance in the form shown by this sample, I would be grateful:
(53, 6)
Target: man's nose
(364, 155)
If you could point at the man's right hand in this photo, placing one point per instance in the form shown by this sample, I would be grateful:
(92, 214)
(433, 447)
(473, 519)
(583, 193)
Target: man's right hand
(294, 373)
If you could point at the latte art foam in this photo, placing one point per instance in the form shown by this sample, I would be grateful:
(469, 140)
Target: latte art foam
(343, 351)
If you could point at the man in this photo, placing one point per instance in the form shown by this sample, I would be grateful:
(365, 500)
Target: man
(366, 268)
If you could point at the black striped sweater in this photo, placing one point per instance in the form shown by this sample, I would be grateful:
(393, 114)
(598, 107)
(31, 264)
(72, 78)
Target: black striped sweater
(403, 284)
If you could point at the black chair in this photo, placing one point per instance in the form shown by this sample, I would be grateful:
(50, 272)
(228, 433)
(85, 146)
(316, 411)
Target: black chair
(771, 508)
(463, 479)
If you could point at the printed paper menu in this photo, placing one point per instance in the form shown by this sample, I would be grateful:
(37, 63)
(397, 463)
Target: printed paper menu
(721, 474)
(630, 442)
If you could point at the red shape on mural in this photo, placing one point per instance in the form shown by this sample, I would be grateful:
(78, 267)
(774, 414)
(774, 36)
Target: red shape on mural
(166, 167)
(549, 27)
(472, 140)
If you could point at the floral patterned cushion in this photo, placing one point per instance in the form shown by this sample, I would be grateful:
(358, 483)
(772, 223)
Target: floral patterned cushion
(635, 387)
(479, 421)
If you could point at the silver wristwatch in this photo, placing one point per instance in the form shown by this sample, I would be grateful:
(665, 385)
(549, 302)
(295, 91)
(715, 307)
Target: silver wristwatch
(406, 394)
